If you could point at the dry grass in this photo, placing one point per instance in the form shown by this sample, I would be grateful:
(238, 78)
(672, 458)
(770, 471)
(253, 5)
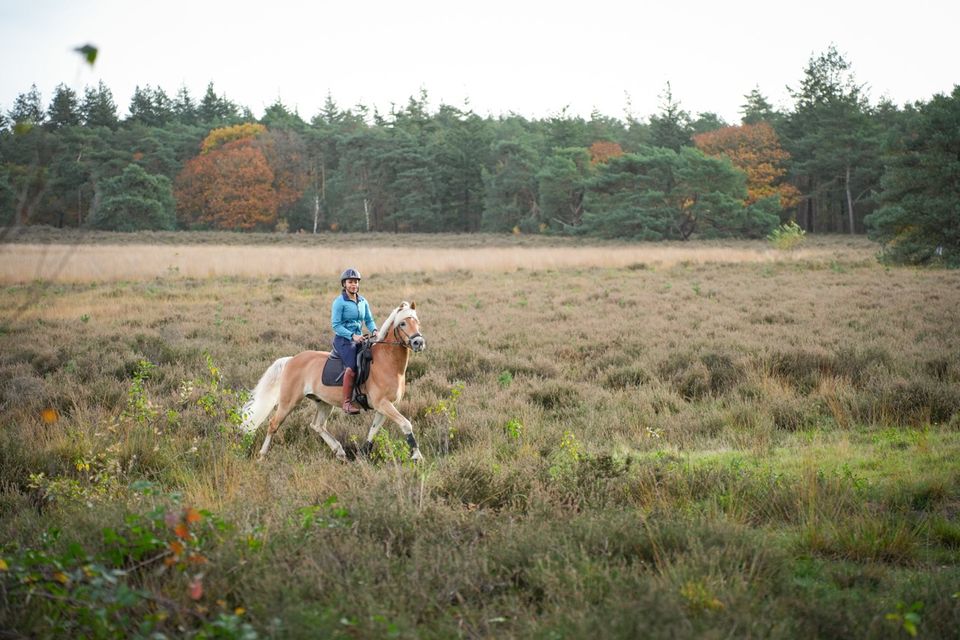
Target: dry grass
(24, 262)
(678, 448)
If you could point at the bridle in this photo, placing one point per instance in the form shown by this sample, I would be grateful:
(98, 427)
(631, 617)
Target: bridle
(398, 341)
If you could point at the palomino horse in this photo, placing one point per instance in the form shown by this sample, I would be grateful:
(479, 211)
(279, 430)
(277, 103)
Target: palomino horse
(291, 379)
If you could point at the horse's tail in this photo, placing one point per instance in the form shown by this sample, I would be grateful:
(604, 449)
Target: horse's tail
(264, 397)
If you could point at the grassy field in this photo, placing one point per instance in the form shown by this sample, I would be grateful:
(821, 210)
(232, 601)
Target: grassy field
(717, 447)
(62, 256)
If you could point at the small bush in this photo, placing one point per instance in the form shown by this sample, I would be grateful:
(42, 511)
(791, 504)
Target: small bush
(467, 366)
(626, 377)
(801, 368)
(862, 539)
(476, 484)
(554, 396)
(696, 376)
(787, 236)
(919, 400)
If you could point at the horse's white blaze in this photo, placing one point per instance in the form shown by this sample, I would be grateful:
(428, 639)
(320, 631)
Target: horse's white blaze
(397, 316)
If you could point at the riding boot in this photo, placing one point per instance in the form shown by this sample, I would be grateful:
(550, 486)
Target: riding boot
(348, 377)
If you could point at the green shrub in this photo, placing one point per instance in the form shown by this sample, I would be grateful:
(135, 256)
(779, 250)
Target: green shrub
(802, 368)
(695, 376)
(862, 538)
(626, 377)
(787, 236)
(555, 396)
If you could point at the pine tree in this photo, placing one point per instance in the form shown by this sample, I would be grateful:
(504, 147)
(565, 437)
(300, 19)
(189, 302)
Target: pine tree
(184, 107)
(64, 109)
(670, 129)
(98, 108)
(27, 109)
(919, 220)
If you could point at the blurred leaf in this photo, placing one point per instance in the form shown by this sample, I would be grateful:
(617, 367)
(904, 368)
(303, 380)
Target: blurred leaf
(89, 52)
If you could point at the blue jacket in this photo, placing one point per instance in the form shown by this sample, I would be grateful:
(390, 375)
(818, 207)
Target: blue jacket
(346, 316)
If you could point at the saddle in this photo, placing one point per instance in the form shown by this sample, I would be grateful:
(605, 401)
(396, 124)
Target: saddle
(332, 375)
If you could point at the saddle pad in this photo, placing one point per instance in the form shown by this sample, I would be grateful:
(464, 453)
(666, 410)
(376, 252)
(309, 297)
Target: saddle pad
(332, 375)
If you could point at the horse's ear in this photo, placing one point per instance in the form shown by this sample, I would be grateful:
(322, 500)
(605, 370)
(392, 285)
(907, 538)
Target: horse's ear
(413, 305)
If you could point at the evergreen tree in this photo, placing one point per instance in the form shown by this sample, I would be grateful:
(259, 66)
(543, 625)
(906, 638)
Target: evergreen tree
(64, 109)
(834, 144)
(563, 131)
(705, 123)
(412, 187)
(135, 201)
(330, 113)
(919, 217)
(510, 187)
(671, 128)
(215, 110)
(661, 194)
(98, 108)
(459, 151)
(184, 107)
(25, 157)
(27, 109)
(142, 109)
(757, 109)
(69, 191)
(562, 183)
(277, 116)
(162, 107)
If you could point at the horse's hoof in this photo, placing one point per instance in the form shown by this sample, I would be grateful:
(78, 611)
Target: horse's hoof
(416, 456)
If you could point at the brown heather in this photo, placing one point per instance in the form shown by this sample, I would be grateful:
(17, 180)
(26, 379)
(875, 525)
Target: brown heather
(698, 440)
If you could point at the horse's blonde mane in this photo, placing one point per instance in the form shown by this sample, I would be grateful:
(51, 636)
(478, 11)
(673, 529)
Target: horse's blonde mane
(396, 316)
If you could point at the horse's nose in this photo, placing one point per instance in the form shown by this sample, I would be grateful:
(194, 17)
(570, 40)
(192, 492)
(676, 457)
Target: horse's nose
(418, 343)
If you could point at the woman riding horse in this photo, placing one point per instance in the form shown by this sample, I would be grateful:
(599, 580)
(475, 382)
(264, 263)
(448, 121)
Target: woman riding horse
(291, 379)
(349, 311)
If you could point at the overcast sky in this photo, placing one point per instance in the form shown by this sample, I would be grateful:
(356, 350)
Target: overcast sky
(500, 56)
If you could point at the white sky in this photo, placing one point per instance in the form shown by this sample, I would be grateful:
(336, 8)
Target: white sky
(531, 58)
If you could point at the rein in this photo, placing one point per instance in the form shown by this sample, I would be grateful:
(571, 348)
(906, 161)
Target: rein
(398, 342)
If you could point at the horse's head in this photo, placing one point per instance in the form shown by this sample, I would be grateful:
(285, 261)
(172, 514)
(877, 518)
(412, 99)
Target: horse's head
(403, 325)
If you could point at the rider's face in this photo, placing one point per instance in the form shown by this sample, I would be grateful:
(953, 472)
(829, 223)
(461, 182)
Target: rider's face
(352, 285)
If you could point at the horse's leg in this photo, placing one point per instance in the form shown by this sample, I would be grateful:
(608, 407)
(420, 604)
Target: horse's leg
(319, 425)
(386, 407)
(283, 410)
(367, 447)
(290, 397)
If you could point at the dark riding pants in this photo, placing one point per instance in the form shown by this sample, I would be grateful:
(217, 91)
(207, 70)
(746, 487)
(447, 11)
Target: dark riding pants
(348, 351)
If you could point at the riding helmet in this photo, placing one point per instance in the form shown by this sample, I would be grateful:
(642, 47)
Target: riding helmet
(349, 273)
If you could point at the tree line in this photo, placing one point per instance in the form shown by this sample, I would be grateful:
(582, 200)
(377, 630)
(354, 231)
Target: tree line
(832, 162)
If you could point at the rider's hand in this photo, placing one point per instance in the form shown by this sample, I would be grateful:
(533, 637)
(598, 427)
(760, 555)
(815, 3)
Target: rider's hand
(357, 339)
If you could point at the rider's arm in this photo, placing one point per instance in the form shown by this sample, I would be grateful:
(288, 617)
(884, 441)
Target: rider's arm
(336, 320)
(368, 320)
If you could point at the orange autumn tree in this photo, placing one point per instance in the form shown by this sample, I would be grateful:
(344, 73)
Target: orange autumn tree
(755, 150)
(225, 135)
(603, 150)
(283, 150)
(229, 186)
